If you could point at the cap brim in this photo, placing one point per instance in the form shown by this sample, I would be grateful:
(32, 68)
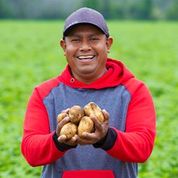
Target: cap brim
(68, 29)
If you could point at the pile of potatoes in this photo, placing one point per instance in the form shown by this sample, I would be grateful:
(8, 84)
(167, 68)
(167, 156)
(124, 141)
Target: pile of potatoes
(80, 119)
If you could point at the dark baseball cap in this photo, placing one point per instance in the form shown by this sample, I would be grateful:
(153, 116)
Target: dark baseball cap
(85, 16)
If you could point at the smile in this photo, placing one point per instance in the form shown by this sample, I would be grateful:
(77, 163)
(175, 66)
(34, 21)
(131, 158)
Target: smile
(88, 57)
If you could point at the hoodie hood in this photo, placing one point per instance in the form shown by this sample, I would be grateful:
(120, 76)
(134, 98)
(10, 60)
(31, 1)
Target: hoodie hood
(116, 74)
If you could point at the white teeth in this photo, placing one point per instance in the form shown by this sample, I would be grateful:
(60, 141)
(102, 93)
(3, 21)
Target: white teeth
(85, 57)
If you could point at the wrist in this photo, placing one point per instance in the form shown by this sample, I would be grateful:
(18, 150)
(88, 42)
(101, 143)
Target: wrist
(108, 141)
(61, 146)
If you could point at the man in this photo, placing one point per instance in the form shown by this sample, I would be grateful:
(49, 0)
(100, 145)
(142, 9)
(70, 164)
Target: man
(117, 145)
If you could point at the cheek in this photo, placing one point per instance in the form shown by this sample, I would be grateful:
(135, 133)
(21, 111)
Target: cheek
(103, 50)
(69, 51)
(102, 47)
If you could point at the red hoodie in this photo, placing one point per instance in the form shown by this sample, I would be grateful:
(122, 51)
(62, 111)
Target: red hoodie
(132, 121)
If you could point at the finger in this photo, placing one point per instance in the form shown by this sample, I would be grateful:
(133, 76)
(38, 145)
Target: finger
(95, 120)
(83, 141)
(66, 110)
(63, 122)
(65, 140)
(97, 123)
(88, 136)
(74, 139)
(106, 114)
(62, 138)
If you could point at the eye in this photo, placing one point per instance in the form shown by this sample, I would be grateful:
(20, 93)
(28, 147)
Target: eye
(94, 39)
(75, 40)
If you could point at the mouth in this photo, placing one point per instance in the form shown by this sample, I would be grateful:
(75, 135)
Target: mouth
(86, 58)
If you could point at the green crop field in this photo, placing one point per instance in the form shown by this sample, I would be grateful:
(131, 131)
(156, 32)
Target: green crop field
(30, 54)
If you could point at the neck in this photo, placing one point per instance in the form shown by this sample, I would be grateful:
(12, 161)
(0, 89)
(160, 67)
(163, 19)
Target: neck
(89, 78)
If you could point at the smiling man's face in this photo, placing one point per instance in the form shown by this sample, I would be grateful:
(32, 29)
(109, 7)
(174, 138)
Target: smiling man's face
(86, 48)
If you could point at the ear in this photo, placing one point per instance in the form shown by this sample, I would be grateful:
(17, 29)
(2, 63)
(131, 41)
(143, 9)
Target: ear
(109, 42)
(63, 45)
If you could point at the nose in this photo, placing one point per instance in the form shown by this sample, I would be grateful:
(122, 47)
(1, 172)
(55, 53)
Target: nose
(85, 45)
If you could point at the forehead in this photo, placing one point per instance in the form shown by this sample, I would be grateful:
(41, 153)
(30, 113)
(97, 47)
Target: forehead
(84, 28)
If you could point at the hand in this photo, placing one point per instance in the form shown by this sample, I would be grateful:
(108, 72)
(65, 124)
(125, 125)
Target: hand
(63, 138)
(99, 133)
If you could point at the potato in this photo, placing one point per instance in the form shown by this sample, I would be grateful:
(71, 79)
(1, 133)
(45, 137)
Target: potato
(80, 119)
(85, 125)
(61, 116)
(69, 130)
(75, 114)
(92, 109)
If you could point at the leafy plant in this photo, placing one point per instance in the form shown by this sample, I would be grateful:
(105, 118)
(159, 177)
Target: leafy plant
(30, 54)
